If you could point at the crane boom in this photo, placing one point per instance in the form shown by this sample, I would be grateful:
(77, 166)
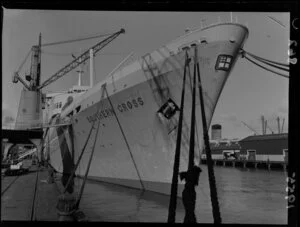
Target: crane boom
(80, 59)
(249, 127)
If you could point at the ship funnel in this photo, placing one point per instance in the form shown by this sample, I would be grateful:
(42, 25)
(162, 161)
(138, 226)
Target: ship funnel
(216, 131)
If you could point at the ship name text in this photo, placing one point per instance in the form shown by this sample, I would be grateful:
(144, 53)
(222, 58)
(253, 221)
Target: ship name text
(125, 106)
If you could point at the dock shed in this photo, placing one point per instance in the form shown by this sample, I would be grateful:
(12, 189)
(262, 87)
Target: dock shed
(271, 147)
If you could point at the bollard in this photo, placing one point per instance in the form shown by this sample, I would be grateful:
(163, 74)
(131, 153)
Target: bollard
(79, 216)
(66, 207)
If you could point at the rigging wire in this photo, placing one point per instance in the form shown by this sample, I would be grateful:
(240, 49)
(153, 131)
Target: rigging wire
(24, 61)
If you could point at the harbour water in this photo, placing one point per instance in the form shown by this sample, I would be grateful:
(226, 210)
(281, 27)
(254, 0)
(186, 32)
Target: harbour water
(246, 196)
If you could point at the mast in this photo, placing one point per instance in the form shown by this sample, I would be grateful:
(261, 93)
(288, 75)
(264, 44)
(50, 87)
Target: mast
(263, 124)
(35, 70)
(91, 67)
(282, 125)
(278, 123)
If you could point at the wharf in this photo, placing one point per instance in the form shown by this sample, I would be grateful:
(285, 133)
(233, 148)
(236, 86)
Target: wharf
(28, 197)
(270, 165)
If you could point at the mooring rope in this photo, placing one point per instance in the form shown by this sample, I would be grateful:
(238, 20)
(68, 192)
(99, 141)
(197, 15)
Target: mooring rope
(273, 65)
(263, 59)
(193, 113)
(88, 167)
(127, 144)
(33, 214)
(280, 74)
(84, 147)
(174, 186)
(211, 175)
(267, 62)
(79, 159)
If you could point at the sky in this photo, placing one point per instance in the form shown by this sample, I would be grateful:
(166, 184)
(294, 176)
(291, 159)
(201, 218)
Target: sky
(249, 92)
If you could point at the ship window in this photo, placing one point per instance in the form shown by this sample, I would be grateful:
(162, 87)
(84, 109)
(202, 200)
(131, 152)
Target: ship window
(223, 62)
(168, 109)
(78, 109)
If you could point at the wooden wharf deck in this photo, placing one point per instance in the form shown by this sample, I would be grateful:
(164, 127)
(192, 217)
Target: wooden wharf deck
(28, 197)
(270, 165)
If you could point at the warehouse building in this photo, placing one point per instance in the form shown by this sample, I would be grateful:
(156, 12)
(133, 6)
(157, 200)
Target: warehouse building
(272, 147)
(269, 147)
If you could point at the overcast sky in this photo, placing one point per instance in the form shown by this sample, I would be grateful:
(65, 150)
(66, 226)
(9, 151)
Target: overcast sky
(249, 92)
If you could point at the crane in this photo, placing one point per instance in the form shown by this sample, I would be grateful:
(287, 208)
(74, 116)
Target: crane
(77, 61)
(282, 126)
(250, 128)
(33, 105)
(267, 126)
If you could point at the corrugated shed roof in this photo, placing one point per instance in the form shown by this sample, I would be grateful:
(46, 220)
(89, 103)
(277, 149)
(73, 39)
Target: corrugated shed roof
(266, 137)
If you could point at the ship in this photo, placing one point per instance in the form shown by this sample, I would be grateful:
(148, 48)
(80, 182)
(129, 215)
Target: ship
(128, 122)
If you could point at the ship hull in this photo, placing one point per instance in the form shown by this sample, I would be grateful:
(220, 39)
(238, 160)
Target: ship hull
(135, 145)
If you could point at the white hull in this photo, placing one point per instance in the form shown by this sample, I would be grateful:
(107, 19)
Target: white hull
(147, 161)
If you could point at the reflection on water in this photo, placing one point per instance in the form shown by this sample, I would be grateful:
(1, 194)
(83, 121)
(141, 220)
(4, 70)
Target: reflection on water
(245, 196)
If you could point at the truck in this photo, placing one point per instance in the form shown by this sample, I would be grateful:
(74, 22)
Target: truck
(17, 168)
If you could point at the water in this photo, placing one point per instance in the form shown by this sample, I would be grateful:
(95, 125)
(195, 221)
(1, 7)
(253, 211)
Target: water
(246, 196)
